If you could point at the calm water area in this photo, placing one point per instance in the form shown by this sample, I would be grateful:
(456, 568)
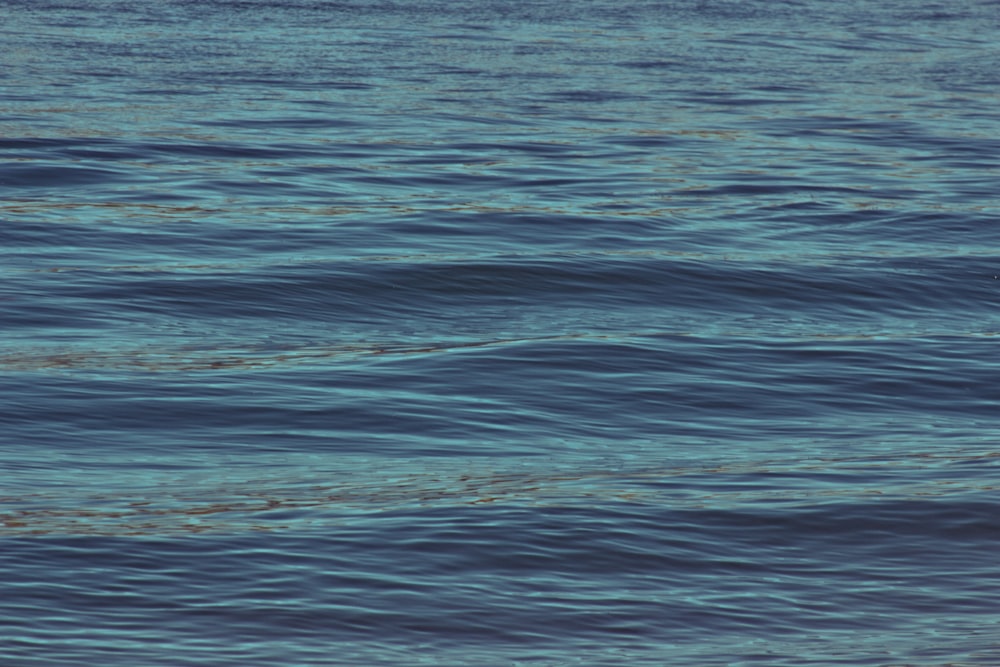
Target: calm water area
(561, 332)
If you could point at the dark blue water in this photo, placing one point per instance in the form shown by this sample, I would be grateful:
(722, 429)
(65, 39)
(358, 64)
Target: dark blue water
(499, 333)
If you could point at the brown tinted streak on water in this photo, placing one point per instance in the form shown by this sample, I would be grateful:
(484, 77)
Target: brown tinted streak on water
(248, 358)
(267, 506)
(163, 359)
(252, 508)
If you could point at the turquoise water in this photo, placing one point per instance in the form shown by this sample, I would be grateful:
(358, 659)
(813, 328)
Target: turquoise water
(382, 333)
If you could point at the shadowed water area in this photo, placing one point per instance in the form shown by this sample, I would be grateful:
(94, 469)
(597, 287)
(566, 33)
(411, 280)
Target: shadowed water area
(499, 333)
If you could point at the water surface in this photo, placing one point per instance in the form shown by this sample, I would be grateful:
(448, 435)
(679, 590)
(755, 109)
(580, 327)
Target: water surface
(381, 333)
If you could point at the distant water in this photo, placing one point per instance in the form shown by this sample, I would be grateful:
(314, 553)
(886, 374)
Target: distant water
(499, 333)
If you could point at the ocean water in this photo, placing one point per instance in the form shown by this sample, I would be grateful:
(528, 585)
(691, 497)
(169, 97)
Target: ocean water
(499, 333)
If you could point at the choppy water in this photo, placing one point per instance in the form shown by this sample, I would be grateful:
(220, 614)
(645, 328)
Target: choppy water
(499, 333)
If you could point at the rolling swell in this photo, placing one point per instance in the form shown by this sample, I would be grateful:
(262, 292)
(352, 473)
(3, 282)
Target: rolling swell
(676, 572)
(396, 333)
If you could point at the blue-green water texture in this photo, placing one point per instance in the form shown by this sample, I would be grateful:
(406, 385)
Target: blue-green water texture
(505, 332)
